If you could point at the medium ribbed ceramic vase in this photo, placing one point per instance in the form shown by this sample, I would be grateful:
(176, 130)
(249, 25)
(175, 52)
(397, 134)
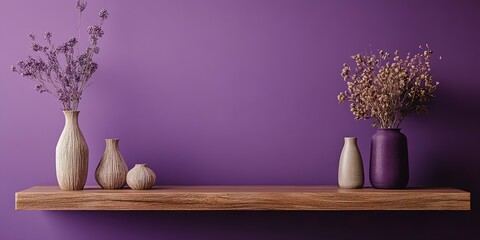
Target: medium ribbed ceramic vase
(389, 159)
(141, 177)
(71, 155)
(350, 166)
(111, 172)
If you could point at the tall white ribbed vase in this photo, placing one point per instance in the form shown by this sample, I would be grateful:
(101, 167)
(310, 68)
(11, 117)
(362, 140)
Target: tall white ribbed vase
(71, 155)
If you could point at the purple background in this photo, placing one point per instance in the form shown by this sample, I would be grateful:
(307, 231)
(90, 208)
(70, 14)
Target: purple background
(238, 92)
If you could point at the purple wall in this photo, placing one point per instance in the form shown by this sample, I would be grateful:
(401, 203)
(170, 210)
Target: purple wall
(238, 92)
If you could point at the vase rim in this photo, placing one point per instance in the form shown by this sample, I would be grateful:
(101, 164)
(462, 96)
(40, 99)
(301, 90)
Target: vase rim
(140, 164)
(350, 137)
(70, 111)
(398, 129)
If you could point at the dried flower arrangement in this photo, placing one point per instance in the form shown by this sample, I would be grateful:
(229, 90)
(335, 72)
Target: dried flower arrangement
(68, 80)
(388, 91)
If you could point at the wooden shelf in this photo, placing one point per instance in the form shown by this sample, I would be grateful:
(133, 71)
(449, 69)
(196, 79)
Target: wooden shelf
(242, 198)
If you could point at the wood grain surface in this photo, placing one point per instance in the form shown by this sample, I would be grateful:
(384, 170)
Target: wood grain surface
(242, 198)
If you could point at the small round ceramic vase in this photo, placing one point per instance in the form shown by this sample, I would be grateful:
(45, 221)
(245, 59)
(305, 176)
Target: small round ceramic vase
(141, 177)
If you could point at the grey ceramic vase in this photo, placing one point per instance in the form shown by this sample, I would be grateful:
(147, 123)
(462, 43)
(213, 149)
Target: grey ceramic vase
(389, 159)
(350, 166)
(111, 172)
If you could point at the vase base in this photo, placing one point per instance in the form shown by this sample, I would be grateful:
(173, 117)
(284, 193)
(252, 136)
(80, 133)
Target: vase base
(389, 187)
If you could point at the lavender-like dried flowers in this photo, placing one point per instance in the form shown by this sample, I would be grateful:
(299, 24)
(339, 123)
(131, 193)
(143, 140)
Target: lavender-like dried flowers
(62, 72)
(388, 91)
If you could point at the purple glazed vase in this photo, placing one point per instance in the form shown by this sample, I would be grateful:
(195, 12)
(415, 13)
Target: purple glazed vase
(389, 159)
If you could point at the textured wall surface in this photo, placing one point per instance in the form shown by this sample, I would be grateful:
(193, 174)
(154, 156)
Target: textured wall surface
(238, 92)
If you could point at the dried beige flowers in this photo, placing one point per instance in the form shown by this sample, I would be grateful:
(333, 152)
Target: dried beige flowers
(388, 91)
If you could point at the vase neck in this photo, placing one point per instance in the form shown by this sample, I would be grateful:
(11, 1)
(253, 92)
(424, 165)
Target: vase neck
(112, 143)
(71, 117)
(350, 140)
(389, 129)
